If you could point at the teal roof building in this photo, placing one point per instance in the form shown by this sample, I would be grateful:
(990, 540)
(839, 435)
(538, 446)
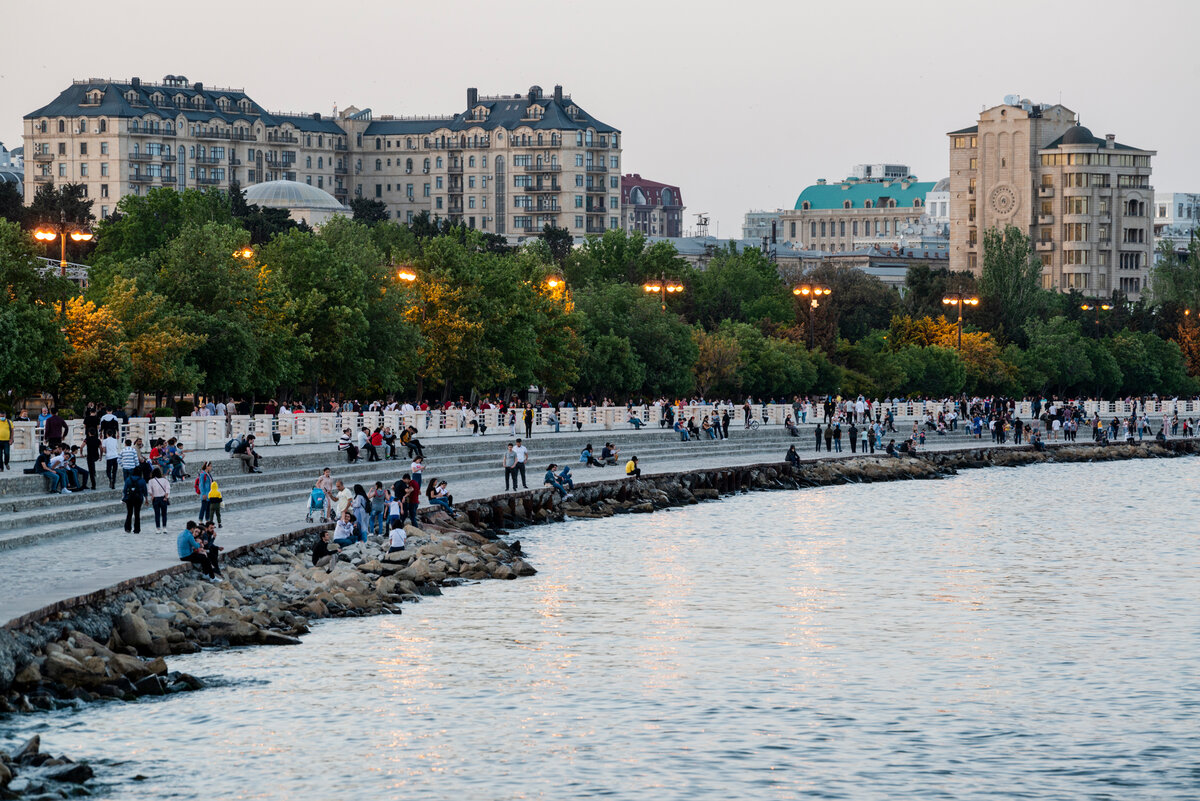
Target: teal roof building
(853, 194)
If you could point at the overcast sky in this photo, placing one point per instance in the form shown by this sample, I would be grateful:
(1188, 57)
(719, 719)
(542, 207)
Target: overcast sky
(741, 104)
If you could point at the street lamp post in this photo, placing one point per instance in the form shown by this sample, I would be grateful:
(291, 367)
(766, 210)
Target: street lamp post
(662, 288)
(958, 299)
(48, 232)
(813, 291)
(1096, 308)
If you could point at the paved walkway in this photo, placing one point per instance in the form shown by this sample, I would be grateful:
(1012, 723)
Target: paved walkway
(41, 574)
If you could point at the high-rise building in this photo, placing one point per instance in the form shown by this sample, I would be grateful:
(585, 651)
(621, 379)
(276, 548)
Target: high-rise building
(1084, 201)
(651, 207)
(507, 164)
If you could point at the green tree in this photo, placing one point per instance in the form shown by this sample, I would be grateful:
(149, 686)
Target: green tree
(12, 204)
(31, 342)
(925, 286)
(931, 371)
(769, 367)
(368, 210)
(1057, 360)
(618, 256)
(1008, 284)
(858, 303)
(559, 240)
(1175, 277)
(96, 363)
(741, 286)
(68, 202)
(718, 358)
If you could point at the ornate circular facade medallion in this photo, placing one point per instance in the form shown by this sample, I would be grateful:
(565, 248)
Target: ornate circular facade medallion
(1003, 200)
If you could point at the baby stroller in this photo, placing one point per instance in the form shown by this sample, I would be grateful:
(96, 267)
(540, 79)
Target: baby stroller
(316, 505)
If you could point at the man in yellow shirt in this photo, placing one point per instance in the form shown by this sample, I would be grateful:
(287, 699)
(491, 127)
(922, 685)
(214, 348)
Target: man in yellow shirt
(631, 467)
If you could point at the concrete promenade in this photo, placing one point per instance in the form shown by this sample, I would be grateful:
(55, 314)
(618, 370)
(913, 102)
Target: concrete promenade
(42, 571)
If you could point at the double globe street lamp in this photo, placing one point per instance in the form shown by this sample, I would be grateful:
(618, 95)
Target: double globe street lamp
(1097, 308)
(662, 288)
(811, 292)
(48, 232)
(960, 300)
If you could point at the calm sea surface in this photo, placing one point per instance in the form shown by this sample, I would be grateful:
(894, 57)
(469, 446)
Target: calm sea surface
(1028, 633)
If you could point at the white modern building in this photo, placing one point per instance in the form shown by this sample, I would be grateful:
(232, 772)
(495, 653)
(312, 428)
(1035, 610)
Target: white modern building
(1176, 218)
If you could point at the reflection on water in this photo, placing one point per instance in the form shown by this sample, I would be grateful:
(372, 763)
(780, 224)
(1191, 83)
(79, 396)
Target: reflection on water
(1005, 633)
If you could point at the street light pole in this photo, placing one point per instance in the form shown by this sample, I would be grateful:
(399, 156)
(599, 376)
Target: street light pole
(662, 288)
(1097, 308)
(958, 299)
(48, 232)
(812, 291)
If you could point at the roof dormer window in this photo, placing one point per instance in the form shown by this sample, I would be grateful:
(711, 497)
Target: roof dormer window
(157, 98)
(180, 100)
(94, 97)
(131, 96)
(535, 112)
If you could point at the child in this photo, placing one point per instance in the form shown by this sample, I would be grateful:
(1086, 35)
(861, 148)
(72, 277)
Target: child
(417, 467)
(396, 537)
(394, 512)
(214, 503)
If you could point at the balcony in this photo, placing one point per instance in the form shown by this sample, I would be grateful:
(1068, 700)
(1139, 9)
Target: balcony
(454, 169)
(168, 179)
(551, 208)
(43, 157)
(455, 189)
(597, 145)
(1045, 219)
(166, 158)
(1104, 242)
(140, 157)
(289, 138)
(596, 188)
(340, 146)
(208, 159)
(140, 178)
(1045, 191)
(595, 210)
(542, 168)
(460, 145)
(1044, 246)
(543, 188)
(339, 170)
(595, 229)
(42, 178)
(234, 161)
(596, 168)
(209, 181)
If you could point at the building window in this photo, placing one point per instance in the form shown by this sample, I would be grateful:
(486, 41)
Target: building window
(104, 169)
(439, 182)
(578, 159)
(425, 190)
(578, 222)
(103, 190)
(812, 229)
(793, 234)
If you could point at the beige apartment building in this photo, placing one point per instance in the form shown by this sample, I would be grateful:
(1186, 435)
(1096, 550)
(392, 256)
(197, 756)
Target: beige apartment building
(1084, 201)
(507, 164)
(861, 211)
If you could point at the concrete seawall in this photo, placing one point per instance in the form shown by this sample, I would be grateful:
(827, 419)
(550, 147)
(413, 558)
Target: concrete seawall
(107, 644)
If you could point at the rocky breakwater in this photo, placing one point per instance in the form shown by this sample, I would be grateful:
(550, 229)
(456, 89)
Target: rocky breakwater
(118, 649)
(29, 772)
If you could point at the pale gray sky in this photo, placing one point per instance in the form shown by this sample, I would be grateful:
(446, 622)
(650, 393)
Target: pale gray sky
(741, 104)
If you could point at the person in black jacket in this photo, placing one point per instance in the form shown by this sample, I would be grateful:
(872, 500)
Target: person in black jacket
(134, 497)
(818, 433)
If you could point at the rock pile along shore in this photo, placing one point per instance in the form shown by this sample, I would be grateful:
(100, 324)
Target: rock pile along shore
(116, 648)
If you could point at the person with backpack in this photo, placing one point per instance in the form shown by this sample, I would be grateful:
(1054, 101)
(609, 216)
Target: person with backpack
(133, 497)
(160, 499)
(203, 485)
(244, 449)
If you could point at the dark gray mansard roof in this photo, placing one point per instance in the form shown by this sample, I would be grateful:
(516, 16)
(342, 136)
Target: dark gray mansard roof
(70, 102)
(503, 112)
(508, 113)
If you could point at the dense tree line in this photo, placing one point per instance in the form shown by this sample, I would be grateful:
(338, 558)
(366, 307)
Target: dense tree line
(196, 291)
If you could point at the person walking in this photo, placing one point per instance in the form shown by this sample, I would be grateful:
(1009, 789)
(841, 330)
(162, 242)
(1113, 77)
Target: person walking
(91, 444)
(128, 459)
(134, 496)
(522, 457)
(509, 462)
(160, 499)
(112, 455)
(214, 503)
(6, 436)
(828, 437)
(203, 485)
(528, 421)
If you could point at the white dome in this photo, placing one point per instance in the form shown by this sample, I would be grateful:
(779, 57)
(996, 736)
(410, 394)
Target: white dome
(291, 195)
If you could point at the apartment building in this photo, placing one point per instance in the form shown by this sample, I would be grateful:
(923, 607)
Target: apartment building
(861, 211)
(507, 164)
(1084, 201)
(651, 207)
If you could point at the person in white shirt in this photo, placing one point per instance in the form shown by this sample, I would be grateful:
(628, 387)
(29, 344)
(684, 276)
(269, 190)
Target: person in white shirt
(112, 451)
(396, 538)
(522, 454)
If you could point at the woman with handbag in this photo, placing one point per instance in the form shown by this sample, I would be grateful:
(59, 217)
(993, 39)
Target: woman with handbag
(160, 499)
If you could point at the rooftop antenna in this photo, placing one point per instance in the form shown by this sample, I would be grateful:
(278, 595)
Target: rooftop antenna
(702, 224)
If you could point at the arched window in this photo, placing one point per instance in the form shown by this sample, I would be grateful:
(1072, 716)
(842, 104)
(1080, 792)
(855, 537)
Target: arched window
(805, 206)
(846, 204)
(378, 143)
(408, 165)
(103, 126)
(408, 143)
(868, 205)
(378, 164)
(426, 164)
(62, 126)
(308, 162)
(359, 137)
(917, 203)
(320, 162)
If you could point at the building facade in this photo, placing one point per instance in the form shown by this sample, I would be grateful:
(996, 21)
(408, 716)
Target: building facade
(653, 208)
(759, 224)
(1176, 219)
(856, 212)
(1084, 201)
(507, 164)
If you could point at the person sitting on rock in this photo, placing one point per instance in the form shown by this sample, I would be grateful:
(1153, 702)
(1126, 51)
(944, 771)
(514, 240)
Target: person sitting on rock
(190, 550)
(440, 496)
(396, 537)
(345, 533)
(551, 480)
(891, 448)
(631, 467)
(791, 457)
(325, 553)
(208, 537)
(564, 477)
